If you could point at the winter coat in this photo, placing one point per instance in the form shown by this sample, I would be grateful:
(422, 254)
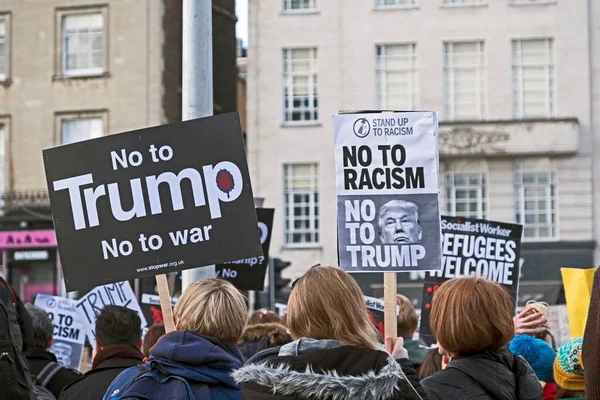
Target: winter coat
(196, 358)
(106, 366)
(38, 359)
(416, 353)
(486, 375)
(262, 336)
(326, 370)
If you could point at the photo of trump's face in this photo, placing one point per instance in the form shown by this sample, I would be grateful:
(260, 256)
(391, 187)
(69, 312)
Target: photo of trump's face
(399, 223)
(63, 353)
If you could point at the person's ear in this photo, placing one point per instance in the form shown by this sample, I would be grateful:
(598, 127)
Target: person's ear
(98, 348)
(51, 342)
(420, 233)
(178, 326)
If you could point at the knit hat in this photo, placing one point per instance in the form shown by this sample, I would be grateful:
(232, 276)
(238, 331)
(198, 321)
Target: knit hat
(538, 354)
(568, 368)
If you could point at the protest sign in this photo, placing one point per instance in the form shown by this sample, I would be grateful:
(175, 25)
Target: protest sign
(150, 306)
(68, 336)
(376, 309)
(152, 201)
(114, 294)
(387, 191)
(281, 309)
(249, 273)
(474, 247)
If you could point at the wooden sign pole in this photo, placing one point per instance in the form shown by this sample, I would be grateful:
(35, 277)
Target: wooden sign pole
(390, 289)
(165, 302)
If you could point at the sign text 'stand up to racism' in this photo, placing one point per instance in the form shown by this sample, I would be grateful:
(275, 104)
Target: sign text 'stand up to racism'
(474, 247)
(249, 273)
(68, 335)
(387, 191)
(152, 201)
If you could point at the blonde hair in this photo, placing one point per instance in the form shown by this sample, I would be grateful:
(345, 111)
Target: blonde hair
(212, 307)
(327, 303)
(408, 319)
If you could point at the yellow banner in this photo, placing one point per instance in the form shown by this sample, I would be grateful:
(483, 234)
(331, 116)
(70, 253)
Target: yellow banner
(578, 291)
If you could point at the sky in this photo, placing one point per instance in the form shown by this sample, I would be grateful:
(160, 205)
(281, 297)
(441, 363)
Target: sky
(241, 28)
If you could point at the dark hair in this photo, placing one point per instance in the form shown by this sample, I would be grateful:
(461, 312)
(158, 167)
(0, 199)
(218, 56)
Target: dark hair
(569, 394)
(42, 327)
(263, 317)
(118, 325)
(154, 333)
(432, 363)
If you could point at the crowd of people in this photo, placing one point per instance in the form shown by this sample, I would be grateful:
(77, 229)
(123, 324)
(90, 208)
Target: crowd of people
(325, 347)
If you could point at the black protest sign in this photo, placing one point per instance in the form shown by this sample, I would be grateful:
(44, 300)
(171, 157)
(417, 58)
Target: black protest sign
(473, 247)
(249, 273)
(150, 306)
(152, 201)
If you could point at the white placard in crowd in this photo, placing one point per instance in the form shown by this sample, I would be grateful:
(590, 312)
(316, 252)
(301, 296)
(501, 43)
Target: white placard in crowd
(114, 294)
(388, 191)
(69, 333)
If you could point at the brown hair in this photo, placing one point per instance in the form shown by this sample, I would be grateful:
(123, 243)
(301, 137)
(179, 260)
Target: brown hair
(263, 316)
(327, 303)
(154, 333)
(408, 319)
(212, 307)
(432, 363)
(569, 394)
(471, 314)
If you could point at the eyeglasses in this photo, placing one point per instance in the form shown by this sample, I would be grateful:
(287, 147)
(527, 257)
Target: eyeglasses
(296, 281)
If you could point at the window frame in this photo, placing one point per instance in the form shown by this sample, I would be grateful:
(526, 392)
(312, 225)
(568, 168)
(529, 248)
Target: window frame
(518, 84)
(5, 131)
(5, 18)
(60, 56)
(314, 214)
(284, 3)
(381, 73)
(60, 117)
(412, 4)
(482, 190)
(550, 197)
(313, 87)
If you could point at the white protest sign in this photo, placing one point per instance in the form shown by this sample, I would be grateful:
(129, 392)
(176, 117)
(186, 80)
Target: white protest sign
(281, 309)
(114, 294)
(68, 337)
(388, 191)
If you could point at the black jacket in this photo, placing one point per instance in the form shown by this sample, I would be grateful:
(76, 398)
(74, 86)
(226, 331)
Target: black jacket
(486, 375)
(107, 364)
(344, 372)
(38, 359)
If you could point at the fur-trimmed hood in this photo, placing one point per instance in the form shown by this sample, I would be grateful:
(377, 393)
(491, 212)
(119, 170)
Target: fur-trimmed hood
(258, 331)
(343, 372)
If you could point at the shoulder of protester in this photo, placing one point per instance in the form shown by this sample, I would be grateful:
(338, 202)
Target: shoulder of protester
(484, 375)
(344, 372)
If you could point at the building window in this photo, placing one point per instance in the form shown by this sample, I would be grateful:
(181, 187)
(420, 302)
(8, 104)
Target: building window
(534, 82)
(301, 203)
(536, 203)
(4, 46)
(465, 80)
(79, 129)
(394, 2)
(83, 44)
(396, 72)
(2, 159)
(464, 1)
(466, 194)
(291, 5)
(300, 97)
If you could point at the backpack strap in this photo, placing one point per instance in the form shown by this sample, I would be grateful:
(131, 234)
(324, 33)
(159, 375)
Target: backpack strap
(47, 373)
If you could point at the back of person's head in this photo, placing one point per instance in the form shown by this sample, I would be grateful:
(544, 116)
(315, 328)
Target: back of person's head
(154, 333)
(538, 354)
(432, 363)
(568, 370)
(408, 319)
(42, 327)
(471, 314)
(263, 316)
(327, 303)
(212, 307)
(118, 325)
